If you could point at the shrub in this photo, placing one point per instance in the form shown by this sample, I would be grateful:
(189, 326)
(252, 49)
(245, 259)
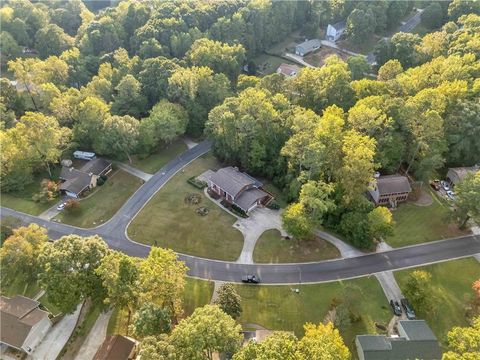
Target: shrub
(197, 183)
(273, 205)
(72, 205)
(100, 181)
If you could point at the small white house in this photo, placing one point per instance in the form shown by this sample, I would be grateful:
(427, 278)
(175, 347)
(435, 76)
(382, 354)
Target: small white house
(84, 155)
(336, 30)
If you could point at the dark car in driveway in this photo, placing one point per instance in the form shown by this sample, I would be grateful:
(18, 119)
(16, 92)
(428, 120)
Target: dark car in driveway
(408, 309)
(396, 308)
(251, 279)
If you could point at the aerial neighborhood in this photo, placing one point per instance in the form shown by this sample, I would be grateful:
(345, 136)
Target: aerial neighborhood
(239, 179)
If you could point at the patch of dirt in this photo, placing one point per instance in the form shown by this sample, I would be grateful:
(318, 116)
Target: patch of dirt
(423, 198)
(193, 199)
(202, 211)
(318, 57)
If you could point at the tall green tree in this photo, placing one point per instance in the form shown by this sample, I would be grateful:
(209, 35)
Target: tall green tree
(277, 346)
(151, 320)
(468, 198)
(322, 342)
(464, 342)
(229, 300)
(68, 270)
(361, 24)
(52, 40)
(129, 99)
(419, 290)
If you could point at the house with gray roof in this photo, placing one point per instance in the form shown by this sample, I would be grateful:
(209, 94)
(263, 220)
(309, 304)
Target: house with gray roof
(307, 47)
(456, 175)
(415, 341)
(237, 188)
(117, 347)
(334, 31)
(22, 323)
(389, 190)
(77, 181)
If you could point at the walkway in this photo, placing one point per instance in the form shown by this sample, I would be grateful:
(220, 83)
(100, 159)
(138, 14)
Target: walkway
(50, 213)
(189, 142)
(95, 338)
(259, 221)
(298, 59)
(134, 171)
(57, 337)
(389, 285)
(346, 250)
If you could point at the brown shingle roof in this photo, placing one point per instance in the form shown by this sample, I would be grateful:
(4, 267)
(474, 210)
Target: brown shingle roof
(115, 347)
(247, 198)
(392, 184)
(232, 181)
(95, 166)
(77, 184)
(288, 69)
(18, 315)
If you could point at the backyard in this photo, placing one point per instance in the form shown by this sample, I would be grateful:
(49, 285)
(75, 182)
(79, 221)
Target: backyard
(417, 224)
(21, 200)
(271, 247)
(451, 290)
(154, 162)
(103, 202)
(280, 308)
(168, 220)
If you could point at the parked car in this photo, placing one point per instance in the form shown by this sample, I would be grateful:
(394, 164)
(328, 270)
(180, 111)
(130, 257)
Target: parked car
(251, 279)
(396, 308)
(435, 184)
(61, 206)
(408, 309)
(451, 194)
(445, 185)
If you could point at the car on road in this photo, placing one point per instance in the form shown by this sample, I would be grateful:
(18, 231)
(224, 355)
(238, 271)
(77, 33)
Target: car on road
(408, 309)
(251, 279)
(451, 194)
(445, 185)
(61, 206)
(396, 308)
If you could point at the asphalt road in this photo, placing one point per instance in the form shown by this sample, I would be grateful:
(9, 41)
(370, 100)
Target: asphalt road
(114, 233)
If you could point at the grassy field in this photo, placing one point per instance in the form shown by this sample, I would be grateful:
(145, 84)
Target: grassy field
(154, 162)
(417, 224)
(104, 202)
(22, 200)
(19, 286)
(268, 64)
(279, 308)
(197, 294)
(272, 248)
(452, 282)
(49, 306)
(168, 221)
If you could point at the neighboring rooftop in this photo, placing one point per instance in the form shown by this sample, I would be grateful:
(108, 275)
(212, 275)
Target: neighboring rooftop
(461, 172)
(18, 315)
(416, 330)
(288, 69)
(78, 183)
(310, 45)
(247, 198)
(115, 347)
(374, 342)
(95, 166)
(391, 184)
(340, 25)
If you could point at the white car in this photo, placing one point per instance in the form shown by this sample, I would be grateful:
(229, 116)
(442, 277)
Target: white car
(445, 185)
(61, 206)
(451, 194)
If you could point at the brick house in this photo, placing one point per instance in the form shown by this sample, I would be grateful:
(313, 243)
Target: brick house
(77, 181)
(389, 190)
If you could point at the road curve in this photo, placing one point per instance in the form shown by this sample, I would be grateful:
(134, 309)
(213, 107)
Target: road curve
(114, 233)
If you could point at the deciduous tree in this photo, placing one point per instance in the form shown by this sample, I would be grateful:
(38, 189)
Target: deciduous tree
(322, 342)
(229, 301)
(468, 198)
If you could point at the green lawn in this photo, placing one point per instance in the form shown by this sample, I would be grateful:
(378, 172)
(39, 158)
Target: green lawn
(268, 64)
(104, 202)
(168, 221)
(417, 224)
(272, 248)
(19, 286)
(279, 308)
(49, 306)
(280, 197)
(197, 293)
(452, 282)
(22, 200)
(154, 162)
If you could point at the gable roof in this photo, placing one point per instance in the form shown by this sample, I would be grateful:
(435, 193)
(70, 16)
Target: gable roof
(76, 184)
(341, 25)
(310, 45)
(232, 181)
(461, 172)
(288, 69)
(115, 347)
(417, 330)
(248, 197)
(18, 315)
(95, 166)
(374, 342)
(391, 184)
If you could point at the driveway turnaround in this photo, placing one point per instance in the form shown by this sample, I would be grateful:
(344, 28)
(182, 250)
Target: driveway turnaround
(114, 233)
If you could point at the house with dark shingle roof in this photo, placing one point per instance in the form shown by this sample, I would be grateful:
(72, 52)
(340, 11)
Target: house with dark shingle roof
(116, 347)
(237, 188)
(77, 181)
(415, 341)
(456, 175)
(22, 323)
(389, 190)
(307, 47)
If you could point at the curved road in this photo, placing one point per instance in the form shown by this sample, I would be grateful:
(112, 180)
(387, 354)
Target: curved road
(114, 233)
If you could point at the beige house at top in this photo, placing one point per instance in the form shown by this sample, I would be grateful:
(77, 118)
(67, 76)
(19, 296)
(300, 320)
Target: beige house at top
(456, 175)
(389, 190)
(22, 323)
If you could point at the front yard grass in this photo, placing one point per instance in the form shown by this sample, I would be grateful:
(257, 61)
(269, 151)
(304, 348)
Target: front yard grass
(417, 224)
(168, 221)
(452, 283)
(22, 200)
(19, 286)
(49, 306)
(279, 308)
(154, 162)
(106, 200)
(271, 247)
